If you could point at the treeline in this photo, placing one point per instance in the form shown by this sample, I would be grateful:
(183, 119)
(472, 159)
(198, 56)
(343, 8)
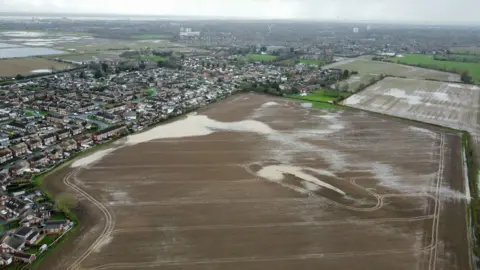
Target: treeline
(458, 58)
(272, 88)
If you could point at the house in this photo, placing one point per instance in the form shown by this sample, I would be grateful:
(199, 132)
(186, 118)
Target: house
(38, 161)
(11, 244)
(4, 140)
(83, 140)
(108, 132)
(63, 134)
(56, 118)
(5, 259)
(19, 168)
(5, 155)
(4, 117)
(29, 220)
(56, 153)
(75, 130)
(34, 144)
(56, 226)
(69, 145)
(16, 206)
(30, 235)
(19, 149)
(48, 139)
(24, 257)
(17, 126)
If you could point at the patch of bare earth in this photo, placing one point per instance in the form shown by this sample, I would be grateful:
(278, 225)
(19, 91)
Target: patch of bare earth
(316, 190)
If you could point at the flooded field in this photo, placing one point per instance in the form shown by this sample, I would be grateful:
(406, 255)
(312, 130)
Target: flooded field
(27, 51)
(255, 182)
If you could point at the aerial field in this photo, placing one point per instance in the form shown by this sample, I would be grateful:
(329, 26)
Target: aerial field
(427, 61)
(151, 36)
(368, 67)
(260, 57)
(255, 182)
(447, 104)
(26, 66)
(466, 50)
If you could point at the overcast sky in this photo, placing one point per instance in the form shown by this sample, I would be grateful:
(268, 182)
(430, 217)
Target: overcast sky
(456, 11)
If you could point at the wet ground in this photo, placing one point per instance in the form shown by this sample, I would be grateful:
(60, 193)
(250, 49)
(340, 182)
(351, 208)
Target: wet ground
(290, 188)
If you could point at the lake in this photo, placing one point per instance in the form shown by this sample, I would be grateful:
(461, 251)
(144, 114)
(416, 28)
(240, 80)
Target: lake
(27, 51)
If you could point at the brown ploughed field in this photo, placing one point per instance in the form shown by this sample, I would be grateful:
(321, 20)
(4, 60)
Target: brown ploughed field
(290, 188)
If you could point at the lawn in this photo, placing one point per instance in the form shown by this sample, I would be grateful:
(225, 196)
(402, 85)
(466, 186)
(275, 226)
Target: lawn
(47, 240)
(466, 50)
(157, 58)
(152, 36)
(427, 61)
(261, 57)
(324, 96)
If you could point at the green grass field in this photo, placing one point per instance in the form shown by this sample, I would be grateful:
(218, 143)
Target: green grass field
(261, 57)
(151, 36)
(427, 61)
(157, 58)
(466, 50)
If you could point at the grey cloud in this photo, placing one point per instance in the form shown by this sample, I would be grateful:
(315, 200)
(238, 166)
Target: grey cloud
(459, 11)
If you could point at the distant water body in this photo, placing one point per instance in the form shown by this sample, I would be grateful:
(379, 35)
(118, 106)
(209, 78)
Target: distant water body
(27, 51)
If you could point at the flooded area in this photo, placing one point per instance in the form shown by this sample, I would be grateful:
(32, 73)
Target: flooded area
(27, 51)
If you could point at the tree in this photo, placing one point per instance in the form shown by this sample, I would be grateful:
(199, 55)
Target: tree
(82, 74)
(263, 49)
(151, 79)
(98, 74)
(64, 202)
(465, 77)
(292, 50)
(19, 77)
(104, 67)
(345, 74)
(142, 65)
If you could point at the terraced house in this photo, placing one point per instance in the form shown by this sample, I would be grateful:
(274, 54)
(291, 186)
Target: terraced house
(108, 132)
(5, 155)
(19, 149)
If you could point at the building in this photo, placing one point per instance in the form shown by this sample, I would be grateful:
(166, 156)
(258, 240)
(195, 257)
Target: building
(69, 145)
(24, 257)
(19, 149)
(56, 118)
(4, 140)
(5, 155)
(56, 226)
(11, 244)
(83, 140)
(34, 144)
(5, 259)
(63, 134)
(17, 126)
(108, 132)
(75, 130)
(19, 168)
(38, 161)
(56, 153)
(48, 139)
(30, 235)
